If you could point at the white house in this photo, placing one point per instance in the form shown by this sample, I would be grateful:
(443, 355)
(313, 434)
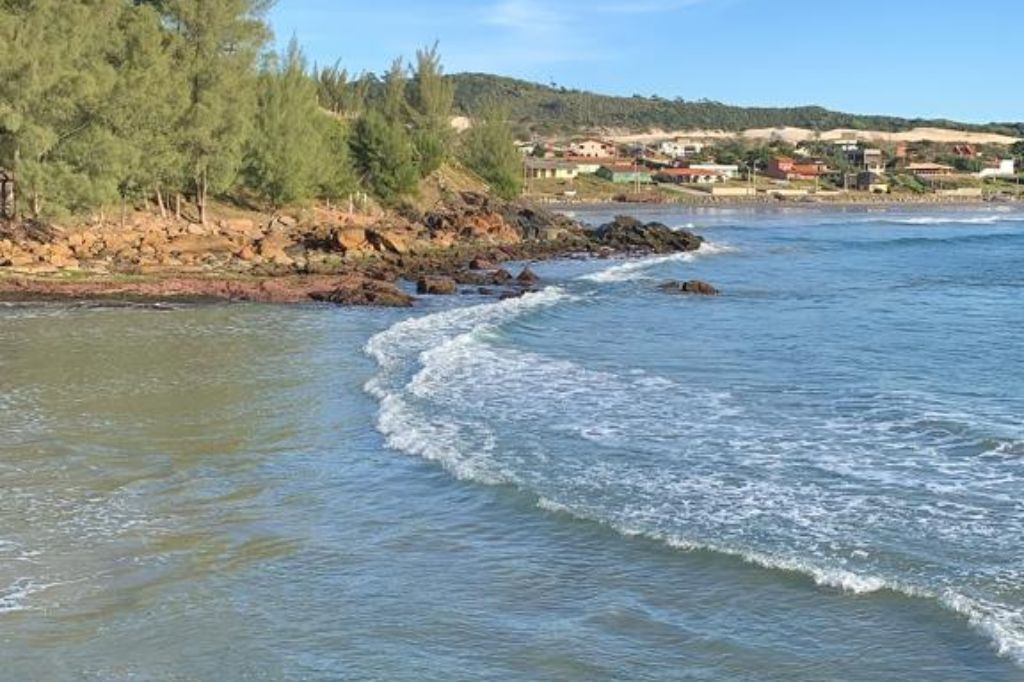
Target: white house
(592, 149)
(728, 171)
(680, 149)
(1007, 168)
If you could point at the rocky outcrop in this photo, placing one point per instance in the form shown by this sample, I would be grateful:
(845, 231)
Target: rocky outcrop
(626, 234)
(527, 278)
(695, 286)
(362, 291)
(436, 286)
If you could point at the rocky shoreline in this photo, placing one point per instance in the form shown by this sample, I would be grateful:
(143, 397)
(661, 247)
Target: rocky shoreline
(460, 246)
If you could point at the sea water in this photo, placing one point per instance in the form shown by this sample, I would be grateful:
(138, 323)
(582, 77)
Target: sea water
(817, 475)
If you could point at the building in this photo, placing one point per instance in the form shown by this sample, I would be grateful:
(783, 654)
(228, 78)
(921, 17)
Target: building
(785, 168)
(551, 169)
(590, 165)
(592, 149)
(871, 160)
(930, 170)
(680, 149)
(965, 151)
(847, 145)
(726, 170)
(625, 173)
(1006, 168)
(876, 183)
(688, 176)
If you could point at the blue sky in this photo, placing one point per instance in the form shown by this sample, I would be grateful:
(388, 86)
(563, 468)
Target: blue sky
(928, 58)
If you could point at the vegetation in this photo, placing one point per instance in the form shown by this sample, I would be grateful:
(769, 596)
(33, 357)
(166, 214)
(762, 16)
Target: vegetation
(551, 109)
(489, 149)
(106, 102)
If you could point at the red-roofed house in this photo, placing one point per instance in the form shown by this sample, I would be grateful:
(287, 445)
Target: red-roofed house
(785, 168)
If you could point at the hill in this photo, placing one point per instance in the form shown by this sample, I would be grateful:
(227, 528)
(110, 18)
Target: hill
(543, 109)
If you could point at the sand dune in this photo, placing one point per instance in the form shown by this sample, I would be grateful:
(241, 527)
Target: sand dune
(796, 135)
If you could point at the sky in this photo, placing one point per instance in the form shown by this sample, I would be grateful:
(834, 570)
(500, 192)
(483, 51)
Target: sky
(916, 58)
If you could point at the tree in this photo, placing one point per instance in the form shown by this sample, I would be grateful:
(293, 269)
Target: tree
(286, 152)
(432, 98)
(55, 81)
(489, 150)
(219, 41)
(383, 155)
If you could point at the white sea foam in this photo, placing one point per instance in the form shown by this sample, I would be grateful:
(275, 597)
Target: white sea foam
(640, 269)
(452, 392)
(954, 220)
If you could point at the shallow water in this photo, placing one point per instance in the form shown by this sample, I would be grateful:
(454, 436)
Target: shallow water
(817, 475)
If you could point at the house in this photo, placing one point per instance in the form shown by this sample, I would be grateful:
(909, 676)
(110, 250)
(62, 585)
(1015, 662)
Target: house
(688, 176)
(625, 173)
(846, 145)
(551, 169)
(871, 160)
(726, 170)
(1006, 168)
(930, 170)
(785, 168)
(593, 149)
(590, 165)
(965, 151)
(527, 148)
(868, 181)
(680, 149)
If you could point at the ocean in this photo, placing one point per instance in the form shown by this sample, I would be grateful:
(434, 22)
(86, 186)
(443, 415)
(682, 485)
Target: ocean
(818, 475)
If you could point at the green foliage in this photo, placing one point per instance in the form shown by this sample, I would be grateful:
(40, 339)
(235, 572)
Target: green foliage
(489, 150)
(551, 109)
(383, 154)
(432, 97)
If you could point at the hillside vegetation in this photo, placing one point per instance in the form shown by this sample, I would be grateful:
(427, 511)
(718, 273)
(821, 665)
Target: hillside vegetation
(543, 109)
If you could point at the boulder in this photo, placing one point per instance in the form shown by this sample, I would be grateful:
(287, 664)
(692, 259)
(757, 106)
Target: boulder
(695, 286)
(363, 291)
(527, 277)
(436, 286)
(629, 234)
(481, 263)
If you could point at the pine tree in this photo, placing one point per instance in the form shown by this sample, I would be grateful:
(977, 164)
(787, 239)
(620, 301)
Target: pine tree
(218, 45)
(286, 153)
(383, 155)
(489, 150)
(432, 98)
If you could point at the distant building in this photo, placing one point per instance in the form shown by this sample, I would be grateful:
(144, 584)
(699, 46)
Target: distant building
(689, 176)
(527, 148)
(587, 165)
(871, 160)
(593, 149)
(930, 170)
(625, 173)
(965, 151)
(1006, 168)
(876, 183)
(681, 149)
(785, 168)
(727, 170)
(551, 169)
(847, 145)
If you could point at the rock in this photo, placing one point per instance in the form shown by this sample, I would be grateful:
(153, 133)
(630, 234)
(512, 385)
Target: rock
(436, 286)
(500, 276)
(696, 286)
(629, 234)
(351, 240)
(362, 291)
(527, 277)
(480, 263)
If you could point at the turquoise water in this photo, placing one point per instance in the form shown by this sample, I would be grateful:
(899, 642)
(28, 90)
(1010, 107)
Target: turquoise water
(817, 475)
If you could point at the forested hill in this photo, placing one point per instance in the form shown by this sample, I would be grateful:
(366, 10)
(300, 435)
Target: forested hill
(552, 109)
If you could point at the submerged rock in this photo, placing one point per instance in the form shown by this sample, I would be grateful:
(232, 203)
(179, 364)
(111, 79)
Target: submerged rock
(527, 277)
(436, 286)
(694, 286)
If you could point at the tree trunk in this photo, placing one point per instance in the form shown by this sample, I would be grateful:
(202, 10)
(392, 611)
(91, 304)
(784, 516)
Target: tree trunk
(37, 205)
(124, 211)
(177, 205)
(201, 190)
(160, 202)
